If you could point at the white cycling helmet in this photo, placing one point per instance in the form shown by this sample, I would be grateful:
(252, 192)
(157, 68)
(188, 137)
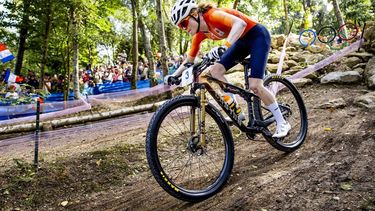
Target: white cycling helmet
(181, 10)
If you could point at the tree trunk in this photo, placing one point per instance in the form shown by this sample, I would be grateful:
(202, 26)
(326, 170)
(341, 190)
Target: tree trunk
(23, 36)
(45, 42)
(148, 50)
(286, 17)
(135, 45)
(235, 4)
(75, 46)
(338, 13)
(162, 42)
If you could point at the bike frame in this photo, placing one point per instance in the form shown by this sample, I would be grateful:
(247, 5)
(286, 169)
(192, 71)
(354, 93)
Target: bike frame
(200, 88)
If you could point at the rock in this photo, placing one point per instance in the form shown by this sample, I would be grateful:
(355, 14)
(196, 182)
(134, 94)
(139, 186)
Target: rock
(235, 78)
(367, 100)
(290, 49)
(236, 68)
(352, 61)
(314, 58)
(301, 82)
(341, 77)
(292, 71)
(370, 73)
(341, 68)
(360, 65)
(273, 58)
(277, 41)
(371, 82)
(312, 76)
(299, 57)
(365, 56)
(291, 63)
(370, 68)
(298, 68)
(273, 67)
(360, 70)
(334, 103)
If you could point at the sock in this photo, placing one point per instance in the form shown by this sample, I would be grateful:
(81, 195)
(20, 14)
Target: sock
(274, 108)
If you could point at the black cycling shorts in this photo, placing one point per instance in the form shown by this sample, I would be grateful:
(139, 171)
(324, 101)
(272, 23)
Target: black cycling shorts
(257, 43)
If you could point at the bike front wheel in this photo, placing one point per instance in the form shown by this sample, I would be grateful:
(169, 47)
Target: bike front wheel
(180, 164)
(293, 109)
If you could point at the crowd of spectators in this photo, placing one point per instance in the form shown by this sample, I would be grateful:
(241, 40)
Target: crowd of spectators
(30, 84)
(90, 77)
(122, 72)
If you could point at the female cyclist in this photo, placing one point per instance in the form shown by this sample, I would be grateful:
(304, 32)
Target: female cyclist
(244, 36)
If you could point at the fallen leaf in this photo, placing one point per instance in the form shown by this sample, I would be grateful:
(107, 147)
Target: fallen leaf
(327, 129)
(346, 186)
(64, 203)
(99, 162)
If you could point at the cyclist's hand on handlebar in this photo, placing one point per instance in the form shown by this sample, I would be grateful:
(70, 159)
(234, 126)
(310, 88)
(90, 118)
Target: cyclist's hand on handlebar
(216, 52)
(171, 80)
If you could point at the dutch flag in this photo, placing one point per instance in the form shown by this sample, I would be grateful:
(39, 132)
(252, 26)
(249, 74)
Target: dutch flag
(5, 54)
(12, 78)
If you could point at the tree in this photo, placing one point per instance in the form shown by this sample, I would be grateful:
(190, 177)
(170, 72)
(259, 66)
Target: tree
(286, 16)
(48, 13)
(147, 45)
(75, 46)
(135, 44)
(338, 13)
(24, 28)
(162, 40)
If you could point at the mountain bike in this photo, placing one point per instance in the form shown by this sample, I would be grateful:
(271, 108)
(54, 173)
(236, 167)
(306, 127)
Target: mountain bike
(189, 144)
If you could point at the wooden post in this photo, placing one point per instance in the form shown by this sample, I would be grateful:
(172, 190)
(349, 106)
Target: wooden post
(37, 136)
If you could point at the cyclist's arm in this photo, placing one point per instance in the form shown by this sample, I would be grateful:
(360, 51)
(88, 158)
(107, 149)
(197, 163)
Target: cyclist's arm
(237, 25)
(195, 45)
(182, 67)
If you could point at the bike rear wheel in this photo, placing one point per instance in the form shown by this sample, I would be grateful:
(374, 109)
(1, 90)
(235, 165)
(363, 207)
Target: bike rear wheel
(293, 109)
(184, 169)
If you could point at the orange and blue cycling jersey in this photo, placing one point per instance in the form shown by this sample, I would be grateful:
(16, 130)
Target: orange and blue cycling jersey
(219, 27)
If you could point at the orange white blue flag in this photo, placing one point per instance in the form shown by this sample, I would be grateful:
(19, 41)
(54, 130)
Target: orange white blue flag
(5, 54)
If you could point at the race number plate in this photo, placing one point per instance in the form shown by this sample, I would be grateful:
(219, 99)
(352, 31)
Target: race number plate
(187, 77)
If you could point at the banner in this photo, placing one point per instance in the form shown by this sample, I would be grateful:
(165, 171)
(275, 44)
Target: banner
(5, 54)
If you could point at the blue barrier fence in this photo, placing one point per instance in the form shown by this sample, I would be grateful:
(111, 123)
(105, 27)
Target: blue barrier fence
(6, 108)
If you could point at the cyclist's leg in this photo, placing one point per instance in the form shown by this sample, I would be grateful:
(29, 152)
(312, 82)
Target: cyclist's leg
(260, 47)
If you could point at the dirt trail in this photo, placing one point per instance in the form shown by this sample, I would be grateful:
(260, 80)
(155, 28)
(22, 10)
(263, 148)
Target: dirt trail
(333, 170)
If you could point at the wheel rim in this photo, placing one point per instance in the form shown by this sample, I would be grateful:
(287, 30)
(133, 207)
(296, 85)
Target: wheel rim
(188, 167)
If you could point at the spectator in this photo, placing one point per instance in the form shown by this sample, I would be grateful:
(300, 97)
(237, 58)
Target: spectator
(12, 94)
(33, 82)
(47, 83)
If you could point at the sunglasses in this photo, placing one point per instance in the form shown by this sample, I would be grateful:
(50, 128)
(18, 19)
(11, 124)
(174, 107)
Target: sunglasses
(184, 23)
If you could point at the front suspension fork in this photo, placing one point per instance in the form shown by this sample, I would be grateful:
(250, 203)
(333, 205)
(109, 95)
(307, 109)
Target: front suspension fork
(202, 116)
